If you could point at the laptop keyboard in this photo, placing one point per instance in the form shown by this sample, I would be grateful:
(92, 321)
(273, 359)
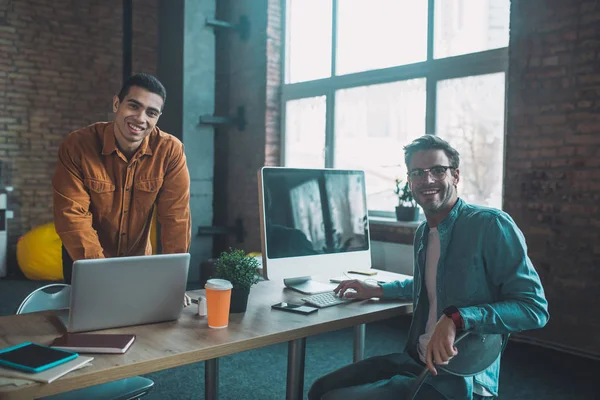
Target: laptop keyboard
(327, 299)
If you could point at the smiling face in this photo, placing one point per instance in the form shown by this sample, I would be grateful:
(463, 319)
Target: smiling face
(135, 117)
(435, 194)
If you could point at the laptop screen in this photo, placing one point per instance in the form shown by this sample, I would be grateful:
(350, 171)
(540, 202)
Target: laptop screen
(313, 212)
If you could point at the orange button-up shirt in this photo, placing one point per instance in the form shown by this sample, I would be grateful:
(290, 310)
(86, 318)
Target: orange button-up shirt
(103, 203)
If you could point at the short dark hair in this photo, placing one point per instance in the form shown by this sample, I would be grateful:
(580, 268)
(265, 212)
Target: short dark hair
(145, 81)
(431, 142)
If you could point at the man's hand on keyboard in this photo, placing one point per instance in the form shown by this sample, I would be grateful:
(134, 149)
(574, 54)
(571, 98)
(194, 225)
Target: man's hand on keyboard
(361, 290)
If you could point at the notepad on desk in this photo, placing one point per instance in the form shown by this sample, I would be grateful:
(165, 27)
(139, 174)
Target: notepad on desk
(94, 343)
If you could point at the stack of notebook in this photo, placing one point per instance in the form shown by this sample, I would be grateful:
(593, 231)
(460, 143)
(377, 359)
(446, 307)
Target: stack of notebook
(94, 343)
(28, 362)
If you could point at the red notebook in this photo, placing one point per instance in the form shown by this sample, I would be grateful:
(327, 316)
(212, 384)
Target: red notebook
(94, 343)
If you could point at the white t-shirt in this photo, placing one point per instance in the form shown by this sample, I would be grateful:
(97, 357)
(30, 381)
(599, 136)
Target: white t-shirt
(431, 263)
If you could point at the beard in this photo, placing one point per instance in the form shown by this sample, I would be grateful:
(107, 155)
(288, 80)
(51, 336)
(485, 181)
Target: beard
(438, 201)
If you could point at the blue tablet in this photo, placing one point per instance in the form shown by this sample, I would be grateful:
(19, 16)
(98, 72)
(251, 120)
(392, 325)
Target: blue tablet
(33, 357)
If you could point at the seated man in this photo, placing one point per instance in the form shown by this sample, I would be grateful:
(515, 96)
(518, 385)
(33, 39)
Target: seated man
(111, 175)
(471, 272)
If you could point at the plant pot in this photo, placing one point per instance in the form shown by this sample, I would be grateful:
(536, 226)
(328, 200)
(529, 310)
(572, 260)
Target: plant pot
(239, 300)
(408, 214)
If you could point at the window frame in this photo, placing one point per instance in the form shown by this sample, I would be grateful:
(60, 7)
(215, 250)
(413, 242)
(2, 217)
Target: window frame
(432, 69)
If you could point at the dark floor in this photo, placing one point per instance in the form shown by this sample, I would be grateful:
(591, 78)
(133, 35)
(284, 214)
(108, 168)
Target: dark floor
(528, 372)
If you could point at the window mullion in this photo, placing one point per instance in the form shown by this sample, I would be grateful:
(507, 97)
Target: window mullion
(431, 83)
(334, 18)
(329, 129)
(430, 105)
(430, 28)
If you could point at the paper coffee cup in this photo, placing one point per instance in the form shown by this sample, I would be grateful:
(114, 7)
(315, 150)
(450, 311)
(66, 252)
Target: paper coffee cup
(218, 297)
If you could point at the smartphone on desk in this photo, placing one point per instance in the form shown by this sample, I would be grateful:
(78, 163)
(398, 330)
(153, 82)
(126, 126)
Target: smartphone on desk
(295, 308)
(33, 357)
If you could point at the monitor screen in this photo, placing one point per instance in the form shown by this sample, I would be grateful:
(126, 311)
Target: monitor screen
(313, 212)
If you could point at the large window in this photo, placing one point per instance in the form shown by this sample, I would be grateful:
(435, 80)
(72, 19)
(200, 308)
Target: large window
(365, 77)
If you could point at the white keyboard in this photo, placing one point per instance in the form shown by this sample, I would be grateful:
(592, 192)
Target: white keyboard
(327, 299)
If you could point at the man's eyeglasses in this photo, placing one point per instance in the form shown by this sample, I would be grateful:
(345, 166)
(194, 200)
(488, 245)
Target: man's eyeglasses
(437, 173)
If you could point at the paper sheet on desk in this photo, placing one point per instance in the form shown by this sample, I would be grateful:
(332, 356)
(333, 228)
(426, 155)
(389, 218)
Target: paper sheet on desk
(14, 377)
(13, 381)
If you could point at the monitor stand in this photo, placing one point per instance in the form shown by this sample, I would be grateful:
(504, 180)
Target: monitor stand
(306, 285)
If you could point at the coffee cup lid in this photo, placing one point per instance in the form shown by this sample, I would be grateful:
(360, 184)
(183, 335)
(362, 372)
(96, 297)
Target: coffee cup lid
(218, 284)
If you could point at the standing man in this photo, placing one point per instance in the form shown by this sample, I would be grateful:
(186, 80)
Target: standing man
(471, 273)
(111, 175)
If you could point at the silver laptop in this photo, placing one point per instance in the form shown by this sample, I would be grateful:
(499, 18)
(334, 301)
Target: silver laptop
(124, 291)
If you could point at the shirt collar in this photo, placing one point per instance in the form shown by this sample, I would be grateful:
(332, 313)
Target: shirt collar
(448, 222)
(109, 145)
(452, 215)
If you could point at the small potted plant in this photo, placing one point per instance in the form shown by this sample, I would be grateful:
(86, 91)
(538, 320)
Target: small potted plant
(242, 271)
(407, 209)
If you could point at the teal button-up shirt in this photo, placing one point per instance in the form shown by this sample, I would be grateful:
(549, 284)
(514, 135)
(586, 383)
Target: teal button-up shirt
(483, 270)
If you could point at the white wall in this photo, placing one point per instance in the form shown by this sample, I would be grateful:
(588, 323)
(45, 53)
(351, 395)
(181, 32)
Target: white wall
(392, 257)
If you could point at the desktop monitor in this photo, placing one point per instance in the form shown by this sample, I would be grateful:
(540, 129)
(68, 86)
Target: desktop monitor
(313, 221)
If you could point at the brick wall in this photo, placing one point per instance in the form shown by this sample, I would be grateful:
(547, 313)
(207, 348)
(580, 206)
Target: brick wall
(145, 36)
(60, 65)
(552, 175)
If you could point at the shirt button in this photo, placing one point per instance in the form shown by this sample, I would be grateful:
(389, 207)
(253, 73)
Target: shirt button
(123, 233)
(127, 189)
(125, 212)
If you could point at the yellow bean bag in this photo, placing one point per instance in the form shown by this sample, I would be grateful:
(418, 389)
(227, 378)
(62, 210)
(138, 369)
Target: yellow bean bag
(39, 254)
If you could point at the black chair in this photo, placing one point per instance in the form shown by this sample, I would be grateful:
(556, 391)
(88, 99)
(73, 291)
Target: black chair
(57, 296)
(476, 352)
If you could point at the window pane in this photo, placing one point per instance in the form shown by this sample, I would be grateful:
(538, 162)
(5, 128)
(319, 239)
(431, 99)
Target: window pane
(308, 40)
(305, 133)
(469, 26)
(380, 33)
(470, 116)
(372, 123)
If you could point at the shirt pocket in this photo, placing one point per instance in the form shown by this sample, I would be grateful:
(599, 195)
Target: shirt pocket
(101, 195)
(145, 194)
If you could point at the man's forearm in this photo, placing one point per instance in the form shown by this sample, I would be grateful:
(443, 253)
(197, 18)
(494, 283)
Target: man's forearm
(175, 233)
(505, 316)
(74, 227)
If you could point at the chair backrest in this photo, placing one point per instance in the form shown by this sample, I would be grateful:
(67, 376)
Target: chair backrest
(50, 297)
(476, 352)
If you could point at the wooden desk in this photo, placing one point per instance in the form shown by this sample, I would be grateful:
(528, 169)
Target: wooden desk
(189, 339)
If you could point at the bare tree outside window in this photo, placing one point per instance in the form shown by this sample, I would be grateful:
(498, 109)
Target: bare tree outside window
(470, 115)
